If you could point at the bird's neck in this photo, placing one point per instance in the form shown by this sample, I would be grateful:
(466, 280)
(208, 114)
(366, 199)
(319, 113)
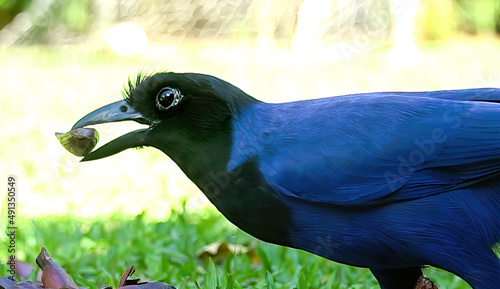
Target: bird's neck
(243, 196)
(206, 159)
(240, 193)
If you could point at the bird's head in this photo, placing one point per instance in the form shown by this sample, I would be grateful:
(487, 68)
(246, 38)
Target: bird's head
(185, 113)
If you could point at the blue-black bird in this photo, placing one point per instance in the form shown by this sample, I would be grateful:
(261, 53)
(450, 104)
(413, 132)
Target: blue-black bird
(390, 181)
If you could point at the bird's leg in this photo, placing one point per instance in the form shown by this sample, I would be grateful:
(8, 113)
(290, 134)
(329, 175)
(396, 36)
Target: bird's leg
(399, 278)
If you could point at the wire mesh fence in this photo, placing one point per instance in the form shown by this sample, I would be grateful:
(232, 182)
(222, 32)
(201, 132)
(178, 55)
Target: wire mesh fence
(56, 21)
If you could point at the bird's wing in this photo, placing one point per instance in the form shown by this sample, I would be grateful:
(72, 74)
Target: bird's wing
(383, 147)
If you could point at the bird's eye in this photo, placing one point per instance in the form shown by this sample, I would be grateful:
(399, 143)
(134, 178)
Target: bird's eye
(168, 98)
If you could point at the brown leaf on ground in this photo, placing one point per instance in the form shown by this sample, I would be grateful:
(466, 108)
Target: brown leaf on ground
(425, 283)
(7, 282)
(124, 281)
(219, 250)
(53, 275)
(127, 283)
(29, 285)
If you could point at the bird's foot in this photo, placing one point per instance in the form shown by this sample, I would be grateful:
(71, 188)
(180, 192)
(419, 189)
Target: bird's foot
(425, 283)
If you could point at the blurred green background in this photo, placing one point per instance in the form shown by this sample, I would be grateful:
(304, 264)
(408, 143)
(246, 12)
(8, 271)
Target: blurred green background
(61, 59)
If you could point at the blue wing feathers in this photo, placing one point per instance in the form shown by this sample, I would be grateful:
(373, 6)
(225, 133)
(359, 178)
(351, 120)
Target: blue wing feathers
(482, 202)
(361, 149)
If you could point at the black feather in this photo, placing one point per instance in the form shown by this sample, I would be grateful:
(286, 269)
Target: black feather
(134, 82)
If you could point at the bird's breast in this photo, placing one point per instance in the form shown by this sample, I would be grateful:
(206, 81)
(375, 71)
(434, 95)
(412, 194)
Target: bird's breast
(245, 198)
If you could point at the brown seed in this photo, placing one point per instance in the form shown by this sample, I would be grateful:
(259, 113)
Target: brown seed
(80, 142)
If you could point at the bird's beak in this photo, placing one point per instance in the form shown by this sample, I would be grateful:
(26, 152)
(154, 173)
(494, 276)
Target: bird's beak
(114, 112)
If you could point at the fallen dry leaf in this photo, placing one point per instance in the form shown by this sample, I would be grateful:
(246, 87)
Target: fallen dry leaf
(219, 250)
(29, 285)
(124, 281)
(127, 283)
(7, 282)
(53, 275)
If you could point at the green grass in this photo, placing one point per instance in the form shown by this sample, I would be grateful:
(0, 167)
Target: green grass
(96, 252)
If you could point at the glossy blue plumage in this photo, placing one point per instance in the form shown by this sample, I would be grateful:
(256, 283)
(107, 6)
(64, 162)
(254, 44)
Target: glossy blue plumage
(385, 180)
